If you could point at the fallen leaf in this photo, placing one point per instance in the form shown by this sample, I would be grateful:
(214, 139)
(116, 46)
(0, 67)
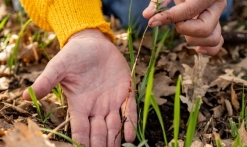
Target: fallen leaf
(197, 143)
(201, 117)
(57, 117)
(31, 76)
(5, 126)
(234, 99)
(23, 136)
(21, 111)
(161, 87)
(180, 143)
(243, 134)
(224, 80)
(218, 111)
(193, 77)
(4, 83)
(228, 107)
(227, 142)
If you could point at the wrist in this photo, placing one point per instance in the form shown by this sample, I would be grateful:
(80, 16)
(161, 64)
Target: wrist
(89, 33)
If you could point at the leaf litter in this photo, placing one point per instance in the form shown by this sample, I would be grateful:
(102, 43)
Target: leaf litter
(217, 80)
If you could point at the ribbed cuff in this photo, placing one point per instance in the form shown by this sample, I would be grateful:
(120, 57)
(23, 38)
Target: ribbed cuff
(68, 17)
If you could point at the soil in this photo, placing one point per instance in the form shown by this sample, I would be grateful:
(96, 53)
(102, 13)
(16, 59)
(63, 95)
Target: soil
(215, 114)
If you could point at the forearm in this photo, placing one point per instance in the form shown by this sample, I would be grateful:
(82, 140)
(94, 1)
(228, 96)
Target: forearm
(66, 17)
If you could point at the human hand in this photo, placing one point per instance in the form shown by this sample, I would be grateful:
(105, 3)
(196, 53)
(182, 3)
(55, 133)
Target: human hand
(95, 78)
(198, 20)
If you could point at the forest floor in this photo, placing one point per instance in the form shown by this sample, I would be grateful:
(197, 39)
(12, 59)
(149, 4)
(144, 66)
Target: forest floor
(222, 80)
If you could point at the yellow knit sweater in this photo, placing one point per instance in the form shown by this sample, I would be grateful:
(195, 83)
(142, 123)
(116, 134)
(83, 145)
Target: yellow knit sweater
(66, 17)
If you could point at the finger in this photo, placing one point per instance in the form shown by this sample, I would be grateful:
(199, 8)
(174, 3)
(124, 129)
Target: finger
(131, 114)
(180, 12)
(150, 10)
(211, 51)
(113, 123)
(204, 24)
(98, 131)
(49, 78)
(80, 127)
(210, 41)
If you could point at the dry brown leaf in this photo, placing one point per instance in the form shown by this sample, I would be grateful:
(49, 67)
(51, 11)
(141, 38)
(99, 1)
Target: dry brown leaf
(218, 111)
(234, 99)
(48, 104)
(243, 134)
(208, 145)
(227, 142)
(23, 136)
(197, 143)
(217, 136)
(161, 87)
(31, 76)
(4, 83)
(193, 77)
(141, 69)
(147, 42)
(4, 125)
(180, 143)
(24, 112)
(224, 80)
(201, 117)
(228, 107)
(186, 100)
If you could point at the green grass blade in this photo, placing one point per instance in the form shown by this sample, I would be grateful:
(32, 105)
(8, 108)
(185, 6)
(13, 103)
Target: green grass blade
(58, 92)
(128, 145)
(158, 113)
(35, 101)
(147, 100)
(49, 113)
(13, 57)
(192, 123)
(155, 36)
(141, 144)
(218, 143)
(234, 129)
(4, 21)
(152, 60)
(176, 120)
(61, 135)
(161, 43)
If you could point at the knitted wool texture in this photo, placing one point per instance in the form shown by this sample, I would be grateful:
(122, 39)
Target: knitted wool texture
(66, 17)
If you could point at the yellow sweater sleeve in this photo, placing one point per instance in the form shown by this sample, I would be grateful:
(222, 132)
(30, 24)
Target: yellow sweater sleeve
(66, 17)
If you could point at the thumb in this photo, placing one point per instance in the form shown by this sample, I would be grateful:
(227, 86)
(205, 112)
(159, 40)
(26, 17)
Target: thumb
(50, 77)
(150, 10)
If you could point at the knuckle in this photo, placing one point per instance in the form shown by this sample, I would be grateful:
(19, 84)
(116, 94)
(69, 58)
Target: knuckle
(214, 42)
(190, 11)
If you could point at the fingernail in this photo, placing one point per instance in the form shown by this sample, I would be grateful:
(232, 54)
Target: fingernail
(205, 52)
(156, 23)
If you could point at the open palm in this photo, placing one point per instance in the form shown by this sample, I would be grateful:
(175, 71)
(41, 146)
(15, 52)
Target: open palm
(95, 78)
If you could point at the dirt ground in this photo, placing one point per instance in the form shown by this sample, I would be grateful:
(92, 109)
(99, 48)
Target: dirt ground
(221, 79)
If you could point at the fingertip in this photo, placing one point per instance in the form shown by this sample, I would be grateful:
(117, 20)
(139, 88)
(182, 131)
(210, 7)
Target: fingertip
(130, 136)
(148, 12)
(210, 51)
(26, 95)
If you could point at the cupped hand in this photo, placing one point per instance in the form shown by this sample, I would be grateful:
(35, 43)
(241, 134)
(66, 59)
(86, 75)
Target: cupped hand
(95, 78)
(198, 20)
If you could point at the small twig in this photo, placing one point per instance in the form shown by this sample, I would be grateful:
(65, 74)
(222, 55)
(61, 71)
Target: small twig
(67, 118)
(138, 53)
(57, 128)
